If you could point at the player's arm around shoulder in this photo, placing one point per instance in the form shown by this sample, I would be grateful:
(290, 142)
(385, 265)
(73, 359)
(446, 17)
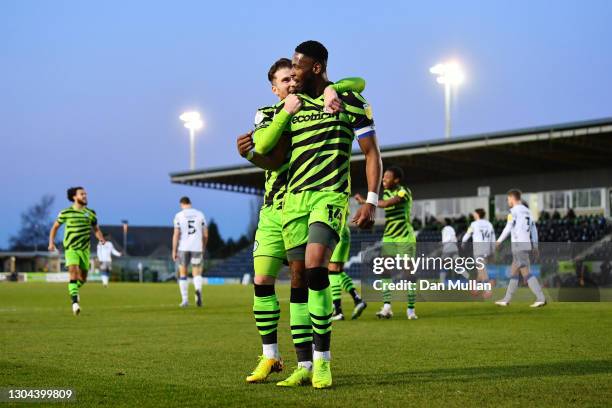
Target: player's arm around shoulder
(265, 146)
(271, 122)
(332, 101)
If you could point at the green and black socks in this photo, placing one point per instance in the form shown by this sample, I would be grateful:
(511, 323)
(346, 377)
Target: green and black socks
(267, 313)
(386, 293)
(340, 281)
(320, 307)
(73, 289)
(336, 289)
(411, 298)
(347, 285)
(301, 328)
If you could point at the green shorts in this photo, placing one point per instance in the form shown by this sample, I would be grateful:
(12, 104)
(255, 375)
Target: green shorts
(79, 257)
(300, 210)
(392, 247)
(269, 235)
(342, 250)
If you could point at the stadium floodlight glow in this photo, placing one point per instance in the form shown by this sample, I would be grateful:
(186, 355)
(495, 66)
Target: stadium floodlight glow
(450, 75)
(193, 121)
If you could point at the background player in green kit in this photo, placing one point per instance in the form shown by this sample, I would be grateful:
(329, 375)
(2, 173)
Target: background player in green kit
(78, 221)
(269, 249)
(398, 236)
(340, 280)
(316, 201)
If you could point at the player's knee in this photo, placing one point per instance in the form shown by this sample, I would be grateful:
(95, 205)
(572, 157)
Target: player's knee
(335, 267)
(318, 278)
(317, 255)
(263, 280)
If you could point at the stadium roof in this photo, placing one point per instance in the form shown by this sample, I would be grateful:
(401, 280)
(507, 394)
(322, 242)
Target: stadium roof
(568, 146)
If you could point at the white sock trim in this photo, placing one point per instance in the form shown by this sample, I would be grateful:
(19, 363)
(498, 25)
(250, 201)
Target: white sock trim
(184, 288)
(197, 283)
(305, 364)
(325, 355)
(270, 350)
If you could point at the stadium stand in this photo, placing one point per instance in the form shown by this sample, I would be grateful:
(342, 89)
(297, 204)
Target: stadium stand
(558, 167)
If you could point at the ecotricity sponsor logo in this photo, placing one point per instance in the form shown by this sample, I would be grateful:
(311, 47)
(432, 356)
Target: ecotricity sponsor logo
(313, 116)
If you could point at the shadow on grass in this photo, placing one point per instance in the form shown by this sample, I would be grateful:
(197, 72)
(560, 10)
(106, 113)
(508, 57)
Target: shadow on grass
(482, 373)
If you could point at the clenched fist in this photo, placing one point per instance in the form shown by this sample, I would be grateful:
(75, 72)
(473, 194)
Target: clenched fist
(293, 104)
(245, 143)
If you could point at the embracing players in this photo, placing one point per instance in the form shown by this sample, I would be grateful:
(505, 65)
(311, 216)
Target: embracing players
(318, 186)
(269, 249)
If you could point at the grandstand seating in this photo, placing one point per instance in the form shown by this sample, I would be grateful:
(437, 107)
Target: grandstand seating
(234, 266)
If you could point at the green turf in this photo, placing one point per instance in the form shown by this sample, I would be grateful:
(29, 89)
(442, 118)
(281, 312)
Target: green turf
(132, 346)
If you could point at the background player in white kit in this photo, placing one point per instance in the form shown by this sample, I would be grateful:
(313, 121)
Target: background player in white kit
(188, 246)
(524, 236)
(483, 242)
(105, 252)
(449, 248)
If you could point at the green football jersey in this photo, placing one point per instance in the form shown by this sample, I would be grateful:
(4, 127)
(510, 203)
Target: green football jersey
(321, 143)
(397, 217)
(271, 123)
(276, 180)
(77, 226)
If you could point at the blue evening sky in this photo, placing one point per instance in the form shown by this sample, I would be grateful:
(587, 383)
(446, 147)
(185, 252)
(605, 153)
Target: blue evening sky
(91, 91)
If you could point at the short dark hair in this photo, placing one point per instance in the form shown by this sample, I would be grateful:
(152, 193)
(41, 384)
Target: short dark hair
(397, 171)
(481, 213)
(314, 50)
(71, 192)
(515, 192)
(448, 221)
(185, 200)
(279, 64)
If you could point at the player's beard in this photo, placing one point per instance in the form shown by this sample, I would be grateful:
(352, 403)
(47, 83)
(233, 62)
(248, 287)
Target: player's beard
(303, 84)
(81, 202)
(295, 88)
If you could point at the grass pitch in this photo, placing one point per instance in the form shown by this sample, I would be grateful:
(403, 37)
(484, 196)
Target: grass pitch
(133, 346)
